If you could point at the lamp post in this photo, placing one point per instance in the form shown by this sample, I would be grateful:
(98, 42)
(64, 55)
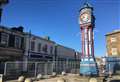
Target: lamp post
(2, 3)
(55, 59)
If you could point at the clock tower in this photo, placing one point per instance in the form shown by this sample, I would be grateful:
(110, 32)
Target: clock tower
(88, 65)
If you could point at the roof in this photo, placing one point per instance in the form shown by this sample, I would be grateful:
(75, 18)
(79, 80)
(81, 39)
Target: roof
(65, 46)
(4, 1)
(27, 33)
(10, 29)
(114, 32)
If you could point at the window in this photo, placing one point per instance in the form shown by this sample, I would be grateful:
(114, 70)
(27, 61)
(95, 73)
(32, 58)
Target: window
(114, 51)
(44, 49)
(11, 40)
(113, 39)
(4, 38)
(39, 47)
(51, 50)
(22, 43)
(17, 41)
(32, 46)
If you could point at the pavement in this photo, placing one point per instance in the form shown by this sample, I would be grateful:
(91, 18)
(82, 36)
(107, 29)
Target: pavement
(67, 78)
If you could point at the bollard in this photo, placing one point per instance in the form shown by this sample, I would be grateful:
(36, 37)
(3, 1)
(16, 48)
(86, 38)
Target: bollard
(1, 77)
(54, 74)
(21, 79)
(63, 73)
(61, 80)
(110, 74)
(28, 80)
(93, 80)
(39, 76)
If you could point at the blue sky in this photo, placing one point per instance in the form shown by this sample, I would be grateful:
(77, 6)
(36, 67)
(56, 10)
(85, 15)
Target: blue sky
(59, 20)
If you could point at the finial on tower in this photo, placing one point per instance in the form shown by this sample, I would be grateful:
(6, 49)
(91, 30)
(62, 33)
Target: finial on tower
(86, 5)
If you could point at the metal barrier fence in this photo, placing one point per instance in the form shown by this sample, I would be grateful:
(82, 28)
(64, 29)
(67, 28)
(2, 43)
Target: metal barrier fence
(67, 66)
(112, 65)
(44, 68)
(28, 68)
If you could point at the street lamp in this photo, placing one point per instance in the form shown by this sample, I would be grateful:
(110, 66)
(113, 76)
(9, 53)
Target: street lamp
(2, 3)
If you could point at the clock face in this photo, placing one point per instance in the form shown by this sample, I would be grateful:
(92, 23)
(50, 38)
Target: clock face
(85, 18)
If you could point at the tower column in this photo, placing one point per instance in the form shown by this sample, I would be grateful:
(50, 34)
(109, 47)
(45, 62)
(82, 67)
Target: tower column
(82, 42)
(88, 41)
(92, 42)
(86, 49)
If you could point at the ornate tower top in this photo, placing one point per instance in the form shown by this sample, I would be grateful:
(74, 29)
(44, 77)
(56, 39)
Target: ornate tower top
(86, 5)
(86, 15)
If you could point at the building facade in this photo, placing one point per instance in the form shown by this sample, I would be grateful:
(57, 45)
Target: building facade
(11, 43)
(17, 46)
(113, 43)
(65, 53)
(38, 48)
(113, 52)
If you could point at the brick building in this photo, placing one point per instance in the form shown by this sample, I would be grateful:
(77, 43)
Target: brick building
(113, 43)
(113, 52)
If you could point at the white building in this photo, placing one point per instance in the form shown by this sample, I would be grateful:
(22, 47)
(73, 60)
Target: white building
(65, 53)
(37, 48)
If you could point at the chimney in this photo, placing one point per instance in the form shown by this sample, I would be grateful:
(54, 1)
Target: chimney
(20, 28)
(47, 37)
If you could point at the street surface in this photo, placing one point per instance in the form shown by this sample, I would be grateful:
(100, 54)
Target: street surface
(67, 78)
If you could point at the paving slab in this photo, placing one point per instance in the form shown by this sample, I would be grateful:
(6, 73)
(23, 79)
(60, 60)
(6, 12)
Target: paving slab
(68, 78)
